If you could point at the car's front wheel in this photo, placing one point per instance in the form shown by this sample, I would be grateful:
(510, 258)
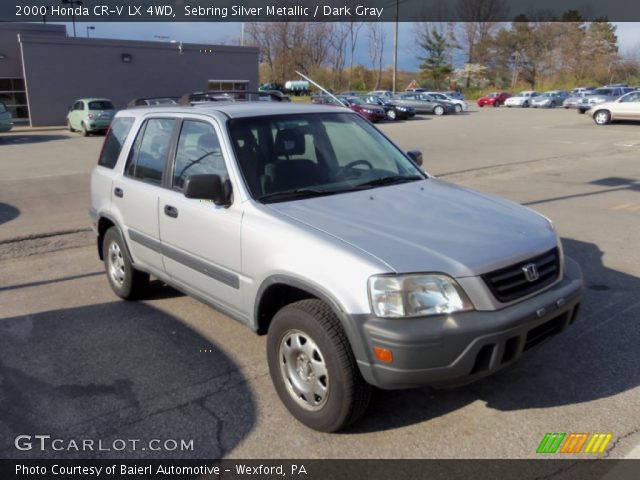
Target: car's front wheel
(392, 115)
(602, 117)
(313, 368)
(125, 280)
(458, 108)
(438, 110)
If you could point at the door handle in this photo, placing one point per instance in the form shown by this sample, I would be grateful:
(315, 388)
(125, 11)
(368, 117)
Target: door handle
(118, 192)
(170, 211)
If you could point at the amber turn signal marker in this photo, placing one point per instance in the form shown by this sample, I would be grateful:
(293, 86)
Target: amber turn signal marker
(383, 354)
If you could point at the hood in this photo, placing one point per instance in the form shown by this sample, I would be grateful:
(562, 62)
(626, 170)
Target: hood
(428, 226)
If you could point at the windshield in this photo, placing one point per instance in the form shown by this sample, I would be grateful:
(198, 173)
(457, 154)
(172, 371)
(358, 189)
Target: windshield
(288, 157)
(100, 105)
(355, 100)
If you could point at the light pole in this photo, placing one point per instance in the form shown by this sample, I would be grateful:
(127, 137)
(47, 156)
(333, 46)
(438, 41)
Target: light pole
(395, 49)
(90, 27)
(73, 3)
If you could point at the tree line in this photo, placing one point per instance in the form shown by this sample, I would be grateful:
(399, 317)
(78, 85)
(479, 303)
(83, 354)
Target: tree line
(535, 52)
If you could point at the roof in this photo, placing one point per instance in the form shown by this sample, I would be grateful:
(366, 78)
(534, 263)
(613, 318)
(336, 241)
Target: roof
(245, 109)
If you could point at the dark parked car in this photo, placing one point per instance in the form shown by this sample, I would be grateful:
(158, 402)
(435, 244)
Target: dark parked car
(423, 103)
(494, 99)
(392, 111)
(373, 113)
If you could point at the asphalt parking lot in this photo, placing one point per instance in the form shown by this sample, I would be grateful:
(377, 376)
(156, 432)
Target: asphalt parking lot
(75, 362)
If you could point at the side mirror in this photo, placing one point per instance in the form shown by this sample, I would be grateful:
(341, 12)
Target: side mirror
(416, 156)
(207, 187)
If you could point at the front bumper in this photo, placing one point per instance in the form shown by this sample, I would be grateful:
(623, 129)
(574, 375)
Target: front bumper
(455, 349)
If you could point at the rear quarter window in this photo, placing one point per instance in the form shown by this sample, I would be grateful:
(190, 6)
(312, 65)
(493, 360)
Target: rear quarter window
(118, 132)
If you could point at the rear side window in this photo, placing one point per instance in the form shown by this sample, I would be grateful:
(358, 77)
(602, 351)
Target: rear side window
(149, 153)
(118, 132)
(100, 105)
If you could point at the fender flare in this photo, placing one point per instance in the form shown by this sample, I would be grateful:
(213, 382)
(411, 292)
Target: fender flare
(356, 342)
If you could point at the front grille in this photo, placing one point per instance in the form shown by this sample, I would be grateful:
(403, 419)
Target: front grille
(511, 283)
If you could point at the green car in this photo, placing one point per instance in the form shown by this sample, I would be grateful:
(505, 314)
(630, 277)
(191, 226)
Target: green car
(90, 115)
(6, 121)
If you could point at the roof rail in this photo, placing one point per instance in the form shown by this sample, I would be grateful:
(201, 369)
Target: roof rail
(198, 98)
(152, 102)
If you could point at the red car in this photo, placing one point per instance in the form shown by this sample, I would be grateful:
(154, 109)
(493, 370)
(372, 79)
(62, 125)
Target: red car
(373, 113)
(494, 99)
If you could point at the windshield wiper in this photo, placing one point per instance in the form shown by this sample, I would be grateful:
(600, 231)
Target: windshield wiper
(389, 180)
(296, 193)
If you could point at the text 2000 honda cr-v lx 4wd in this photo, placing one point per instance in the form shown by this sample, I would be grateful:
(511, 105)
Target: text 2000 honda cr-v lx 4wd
(306, 223)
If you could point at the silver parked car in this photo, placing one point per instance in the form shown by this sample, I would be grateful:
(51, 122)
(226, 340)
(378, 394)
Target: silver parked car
(550, 99)
(424, 103)
(306, 223)
(601, 95)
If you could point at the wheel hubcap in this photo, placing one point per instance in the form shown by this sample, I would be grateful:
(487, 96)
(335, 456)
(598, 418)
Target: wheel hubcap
(116, 264)
(601, 117)
(304, 370)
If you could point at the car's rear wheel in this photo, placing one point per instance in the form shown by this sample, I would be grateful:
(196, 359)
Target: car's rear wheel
(552, 105)
(85, 132)
(525, 104)
(438, 110)
(602, 117)
(313, 368)
(392, 115)
(69, 127)
(125, 280)
(458, 108)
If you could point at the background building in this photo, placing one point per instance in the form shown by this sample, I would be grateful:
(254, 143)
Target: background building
(42, 70)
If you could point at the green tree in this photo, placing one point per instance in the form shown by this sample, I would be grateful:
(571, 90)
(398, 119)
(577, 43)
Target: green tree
(434, 65)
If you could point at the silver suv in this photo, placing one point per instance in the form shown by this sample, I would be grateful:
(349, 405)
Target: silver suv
(306, 223)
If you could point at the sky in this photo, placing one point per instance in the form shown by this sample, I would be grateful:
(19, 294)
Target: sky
(230, 33)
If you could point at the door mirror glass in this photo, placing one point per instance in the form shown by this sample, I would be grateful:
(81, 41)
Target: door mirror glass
(207, 187)
(416, 156)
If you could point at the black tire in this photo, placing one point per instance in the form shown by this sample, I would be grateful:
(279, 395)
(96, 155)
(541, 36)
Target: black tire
(85, 132)
(581, 112)
(552, 105)
(134, 283)
(525, 104)
(347, 394)
(69, 127)
(496, 104)
(458, 108)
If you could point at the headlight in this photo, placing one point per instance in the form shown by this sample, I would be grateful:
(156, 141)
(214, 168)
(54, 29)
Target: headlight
(416, 295)
(402, 109)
